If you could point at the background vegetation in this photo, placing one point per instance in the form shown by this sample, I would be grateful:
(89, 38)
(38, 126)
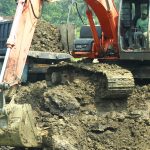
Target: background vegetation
(55, 13)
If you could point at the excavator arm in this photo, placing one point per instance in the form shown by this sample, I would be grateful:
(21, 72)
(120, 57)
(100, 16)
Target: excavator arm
(107, 16)
(19, 41)
(108, 19)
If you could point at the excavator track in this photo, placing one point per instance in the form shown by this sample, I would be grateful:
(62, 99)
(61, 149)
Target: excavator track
(111, 81)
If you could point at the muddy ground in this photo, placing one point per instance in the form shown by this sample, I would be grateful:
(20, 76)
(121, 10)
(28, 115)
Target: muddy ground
(75, 122)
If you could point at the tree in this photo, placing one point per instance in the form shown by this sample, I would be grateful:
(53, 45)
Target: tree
(55, 13)
(7, 7)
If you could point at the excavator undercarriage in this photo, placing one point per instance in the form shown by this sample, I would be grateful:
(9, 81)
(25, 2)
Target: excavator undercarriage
(112, 80)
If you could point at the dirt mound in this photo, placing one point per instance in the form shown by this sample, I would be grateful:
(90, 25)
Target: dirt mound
(46, 38)
(73, 121)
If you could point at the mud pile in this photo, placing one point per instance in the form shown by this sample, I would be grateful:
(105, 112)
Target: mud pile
(73, 121)
(46, 38)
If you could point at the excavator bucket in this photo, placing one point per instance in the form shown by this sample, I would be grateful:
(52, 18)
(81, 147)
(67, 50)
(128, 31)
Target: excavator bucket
(17, 126)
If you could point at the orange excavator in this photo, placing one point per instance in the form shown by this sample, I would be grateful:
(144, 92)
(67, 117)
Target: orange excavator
(108, 43)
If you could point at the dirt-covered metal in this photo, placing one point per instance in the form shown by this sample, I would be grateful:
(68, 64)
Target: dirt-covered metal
(21, 128)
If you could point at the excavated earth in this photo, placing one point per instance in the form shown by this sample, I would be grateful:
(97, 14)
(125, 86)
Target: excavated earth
(74, 121)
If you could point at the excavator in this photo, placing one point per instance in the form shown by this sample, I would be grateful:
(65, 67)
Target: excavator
(115, 71)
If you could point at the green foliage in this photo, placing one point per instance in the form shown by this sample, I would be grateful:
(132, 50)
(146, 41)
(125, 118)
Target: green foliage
(55, 13)
(7, 7)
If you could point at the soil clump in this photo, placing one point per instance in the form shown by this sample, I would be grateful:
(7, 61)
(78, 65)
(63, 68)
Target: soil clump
(47, 37)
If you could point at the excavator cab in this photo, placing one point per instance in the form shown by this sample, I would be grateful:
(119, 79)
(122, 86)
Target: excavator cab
(133, 42)
(85, 41)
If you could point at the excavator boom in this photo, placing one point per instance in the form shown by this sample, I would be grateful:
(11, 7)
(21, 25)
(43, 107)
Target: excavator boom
(107, 14)
(19, 41)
